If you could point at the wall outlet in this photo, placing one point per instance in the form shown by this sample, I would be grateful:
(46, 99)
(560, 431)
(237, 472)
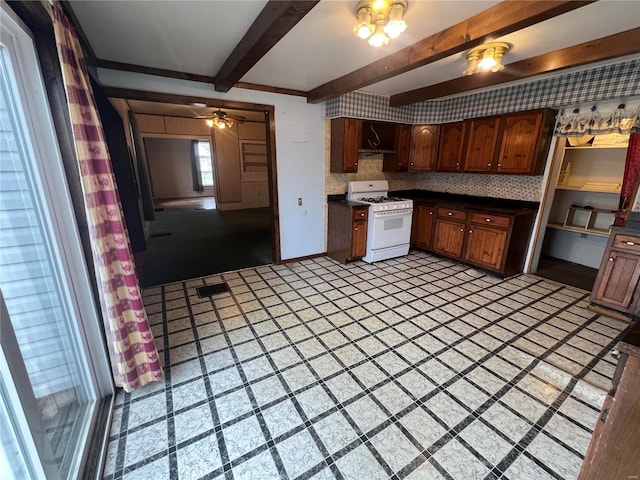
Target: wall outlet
(299, 201)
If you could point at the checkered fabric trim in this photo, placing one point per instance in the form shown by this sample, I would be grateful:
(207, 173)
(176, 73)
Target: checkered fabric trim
(608, 82)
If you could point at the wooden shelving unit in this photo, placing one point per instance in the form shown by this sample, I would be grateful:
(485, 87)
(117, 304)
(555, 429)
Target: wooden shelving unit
(585, 199)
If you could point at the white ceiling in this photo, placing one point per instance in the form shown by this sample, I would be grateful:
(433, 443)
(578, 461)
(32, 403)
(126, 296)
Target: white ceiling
(197, 36)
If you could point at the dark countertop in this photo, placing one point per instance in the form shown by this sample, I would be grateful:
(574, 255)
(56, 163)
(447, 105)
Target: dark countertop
(468, 201)
(632, 226)
(340, 198)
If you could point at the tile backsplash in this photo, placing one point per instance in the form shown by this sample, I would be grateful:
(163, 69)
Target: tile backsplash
(515, 187)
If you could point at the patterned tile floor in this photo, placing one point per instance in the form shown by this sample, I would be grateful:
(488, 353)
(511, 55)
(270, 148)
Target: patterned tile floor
(416, 367)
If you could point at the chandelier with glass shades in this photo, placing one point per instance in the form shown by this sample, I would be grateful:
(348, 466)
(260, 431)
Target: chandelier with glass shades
(380, 20)
(486, 58)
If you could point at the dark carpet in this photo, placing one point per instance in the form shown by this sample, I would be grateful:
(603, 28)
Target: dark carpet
(186, 244)
(568, 273)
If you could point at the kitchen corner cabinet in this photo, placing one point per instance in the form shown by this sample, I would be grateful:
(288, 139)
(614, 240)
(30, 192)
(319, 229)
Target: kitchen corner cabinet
(613, 450)
(347, 231)
(525, 142)
(449, 234)
(619, 273)
(399, 161)
(422, 225)
(481, 144)
(452, 137)
(346, 135)
(424, 148)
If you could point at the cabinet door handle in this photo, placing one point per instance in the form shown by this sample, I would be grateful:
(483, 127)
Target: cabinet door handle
(462, 229)
(356, 229)
(631, 243)
(487, 219)
(411, 164)
(470, 231)
(499, 165)
(611, 259)
(488, 164)
(430, 213)
(450, 213)
(362, 214)
(356, 164)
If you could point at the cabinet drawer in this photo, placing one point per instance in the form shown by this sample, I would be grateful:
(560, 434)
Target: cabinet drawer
(490, 219)
(452, 213)
(626, 242)
(360, 213)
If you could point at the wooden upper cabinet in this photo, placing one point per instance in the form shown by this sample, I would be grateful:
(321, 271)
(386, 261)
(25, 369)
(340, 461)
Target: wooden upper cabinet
(481, 144)
(424, 148)
(520, 142)
(452, 136)
(346, 134)
(399, 160)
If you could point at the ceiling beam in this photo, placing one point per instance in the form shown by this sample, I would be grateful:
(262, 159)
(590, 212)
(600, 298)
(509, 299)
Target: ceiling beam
(612, 46)
(275, 20)
(147, 96)
(497, 21)
(161, 72)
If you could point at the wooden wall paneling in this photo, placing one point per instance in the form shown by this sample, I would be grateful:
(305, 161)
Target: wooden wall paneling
(186, 126)
(150, 123)
(227, 159)
(251, 131)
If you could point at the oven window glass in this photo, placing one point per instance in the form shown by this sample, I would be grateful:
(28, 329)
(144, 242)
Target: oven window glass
(393, 223)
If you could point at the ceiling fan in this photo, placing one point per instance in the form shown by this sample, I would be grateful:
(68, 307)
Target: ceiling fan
(221, 119)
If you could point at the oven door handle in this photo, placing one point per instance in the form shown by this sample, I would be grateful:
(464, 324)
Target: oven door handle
(394, 213)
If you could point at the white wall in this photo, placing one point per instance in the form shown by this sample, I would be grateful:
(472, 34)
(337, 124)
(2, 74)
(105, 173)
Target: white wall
(170, 164)
(300, 146)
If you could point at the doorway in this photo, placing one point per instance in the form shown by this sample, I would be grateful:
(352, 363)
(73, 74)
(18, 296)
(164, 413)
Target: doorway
(211, 190)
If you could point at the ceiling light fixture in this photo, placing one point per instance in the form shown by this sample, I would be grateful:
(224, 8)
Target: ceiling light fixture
(219, 119)
(380, 20)
(486, 58)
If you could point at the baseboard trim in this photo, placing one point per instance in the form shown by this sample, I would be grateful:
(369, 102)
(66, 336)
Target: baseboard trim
(607, 312)
(307, 257)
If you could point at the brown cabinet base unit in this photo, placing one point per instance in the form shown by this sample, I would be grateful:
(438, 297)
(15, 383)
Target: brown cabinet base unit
(347, 232)
(618, 278)
(492, 240)
(422, 226)
(614, 451)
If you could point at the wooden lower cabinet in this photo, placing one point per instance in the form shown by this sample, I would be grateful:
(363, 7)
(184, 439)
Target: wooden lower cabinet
(619, 274)
(422, 226)
(613, 450)
(486, 246)
(492, 241)
(347, 231)
(448, 237)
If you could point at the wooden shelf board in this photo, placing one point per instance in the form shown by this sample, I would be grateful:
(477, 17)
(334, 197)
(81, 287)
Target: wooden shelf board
(559, 226)
(579, 189)
(591, 147)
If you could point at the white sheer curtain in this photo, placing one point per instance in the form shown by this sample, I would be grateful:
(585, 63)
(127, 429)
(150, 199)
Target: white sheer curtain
(595, 120)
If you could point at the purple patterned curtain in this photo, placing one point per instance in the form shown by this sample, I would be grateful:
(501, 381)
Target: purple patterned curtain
(630, 180)
(134, 358)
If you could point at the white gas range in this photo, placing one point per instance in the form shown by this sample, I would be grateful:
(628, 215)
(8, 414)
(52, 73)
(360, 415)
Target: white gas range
(389, 225)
